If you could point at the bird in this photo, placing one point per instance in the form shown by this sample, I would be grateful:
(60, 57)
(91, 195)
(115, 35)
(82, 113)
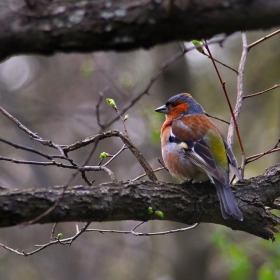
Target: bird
(194, 149)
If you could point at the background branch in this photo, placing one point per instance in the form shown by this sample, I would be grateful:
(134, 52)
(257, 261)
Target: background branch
(86, 26)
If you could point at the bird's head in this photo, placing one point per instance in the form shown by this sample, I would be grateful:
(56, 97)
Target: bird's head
(180, 105)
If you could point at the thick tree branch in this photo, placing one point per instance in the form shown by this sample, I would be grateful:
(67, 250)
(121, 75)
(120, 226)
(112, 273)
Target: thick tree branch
(130, 201)
(46, 27)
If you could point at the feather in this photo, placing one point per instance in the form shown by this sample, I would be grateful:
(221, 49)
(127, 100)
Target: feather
(228, 204)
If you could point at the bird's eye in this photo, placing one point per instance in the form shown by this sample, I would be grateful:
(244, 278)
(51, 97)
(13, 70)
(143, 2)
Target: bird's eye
(174, 104)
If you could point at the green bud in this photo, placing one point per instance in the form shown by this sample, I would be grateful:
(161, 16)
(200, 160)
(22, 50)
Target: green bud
(126, 117)
(150, 210)
(103, 155)
(197, 44)
(111, 102)
(59, 235)
(160, 214)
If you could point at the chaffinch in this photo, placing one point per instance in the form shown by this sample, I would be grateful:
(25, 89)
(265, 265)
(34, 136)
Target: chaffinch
(193, 148)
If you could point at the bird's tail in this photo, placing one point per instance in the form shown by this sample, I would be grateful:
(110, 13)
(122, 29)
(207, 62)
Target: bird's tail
(229, 207)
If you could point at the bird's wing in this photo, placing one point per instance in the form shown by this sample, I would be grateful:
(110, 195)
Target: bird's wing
(232, 160)
(195, 150)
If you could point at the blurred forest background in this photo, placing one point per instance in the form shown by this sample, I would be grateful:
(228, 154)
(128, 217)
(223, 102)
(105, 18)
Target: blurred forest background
(56, 97)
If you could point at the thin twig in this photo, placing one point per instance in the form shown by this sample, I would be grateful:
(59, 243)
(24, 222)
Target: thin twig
(228, 101)
(272, 150)
(165, 65)
(263, 39)
(144, 233)
(261, 92)
(44, 163)
(19, 124)
(163, 165)
(53, 230)
(115, 155)
(143, 175)
(216, 118)
(223, 64)
(101, 95)
(98, 112)
(29, 149)
(144, 163)
(66, 241)
(70, 240)
(33, 136)
(147, 88)
(239, 101)
(123, 121)
(99, 168)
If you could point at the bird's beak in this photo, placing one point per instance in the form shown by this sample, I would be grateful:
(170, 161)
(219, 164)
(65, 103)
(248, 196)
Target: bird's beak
(162, 109)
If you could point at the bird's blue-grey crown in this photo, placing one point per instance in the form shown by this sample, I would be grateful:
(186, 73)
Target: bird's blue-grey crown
(194, 107)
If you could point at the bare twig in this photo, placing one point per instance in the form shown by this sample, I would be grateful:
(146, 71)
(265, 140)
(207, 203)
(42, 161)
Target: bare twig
(32, 135)
(228, 101)
(70, 240)
(52, 232)
(122, 119)
(29, 149)
(114, 133)
(221, 63)
(165, 65)
(261, 92)
(44, 163)
(66, 241)
(146, 166)
(19, 124)
(143, 175)
(144, 233)
(216, 118)
(98, 168)
(239, 101)
(101, 94)
(263, 39)
(115, 155)
(257, 156)
(163, 165)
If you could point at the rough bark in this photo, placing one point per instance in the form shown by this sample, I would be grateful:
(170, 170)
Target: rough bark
(46, 27)
(187, 204)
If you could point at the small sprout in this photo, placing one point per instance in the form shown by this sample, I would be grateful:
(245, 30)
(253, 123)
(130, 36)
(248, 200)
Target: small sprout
(53, 160)
(59, 235)
(103, 155)
(159, 213)
(150, 210)
(198, 46)
(126, 117)
(111, 102)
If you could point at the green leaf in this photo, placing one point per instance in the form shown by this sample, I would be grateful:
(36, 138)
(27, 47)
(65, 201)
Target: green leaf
(159, 213)
(103, 155)
(111, 102)
(150, 210)
(198, 46)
